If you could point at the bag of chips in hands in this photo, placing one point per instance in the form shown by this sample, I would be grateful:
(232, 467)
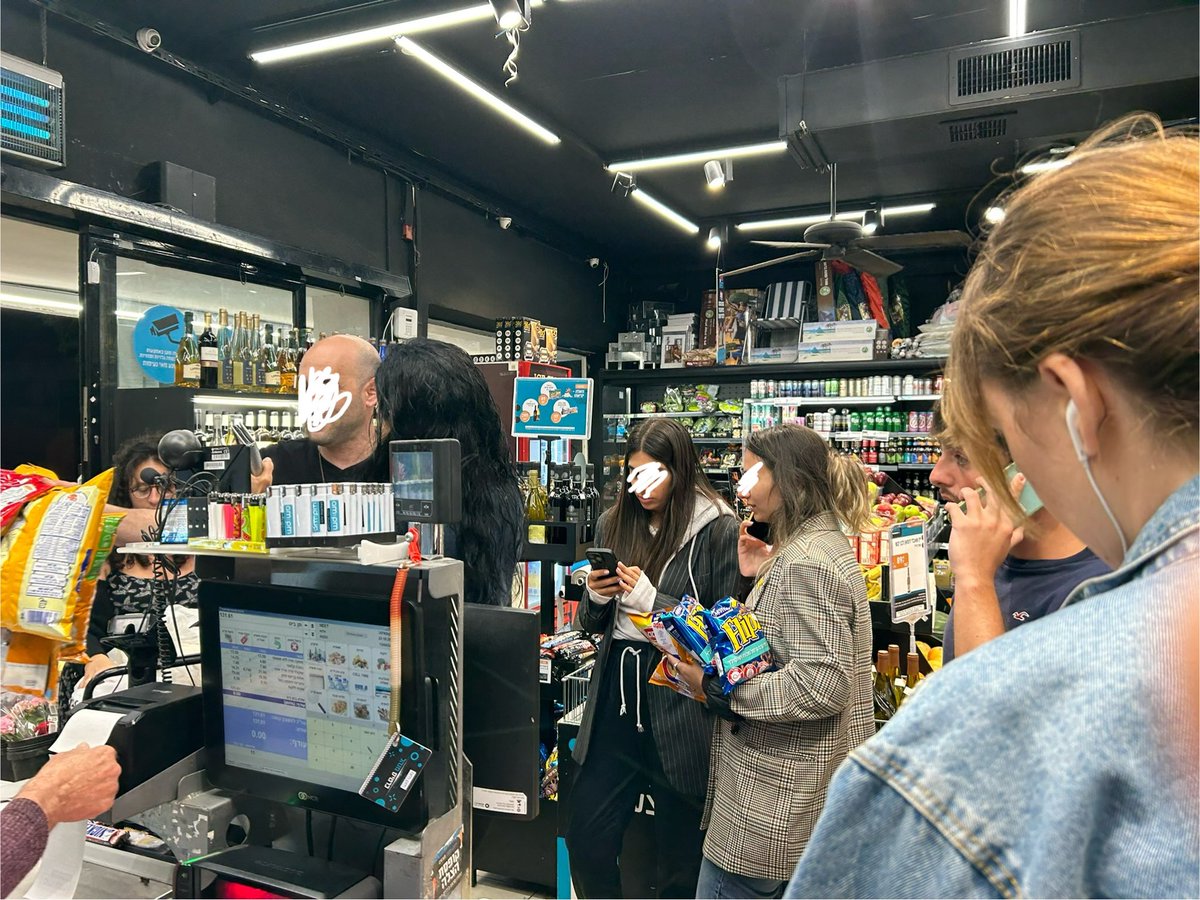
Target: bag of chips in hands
(685, 623)
(740, 650)
(18, 488)
(49, 553)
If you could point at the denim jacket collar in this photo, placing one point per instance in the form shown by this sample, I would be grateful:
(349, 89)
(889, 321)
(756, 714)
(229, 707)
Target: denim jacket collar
(1152, 547)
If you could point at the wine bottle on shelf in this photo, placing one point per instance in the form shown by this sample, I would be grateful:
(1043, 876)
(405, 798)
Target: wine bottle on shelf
(209, 435)
(287, 365)
(235, 352)
(895, 672)
(269, 360)
(913, 675)
(224, 355)
(536, 508)
(187, 357)
(884, 699)
(209, 361)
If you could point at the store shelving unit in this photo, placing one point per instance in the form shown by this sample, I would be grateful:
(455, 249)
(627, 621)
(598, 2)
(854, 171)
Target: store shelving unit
(623, 391)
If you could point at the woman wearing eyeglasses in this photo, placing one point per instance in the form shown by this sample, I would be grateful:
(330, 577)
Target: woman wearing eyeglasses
(126, 587)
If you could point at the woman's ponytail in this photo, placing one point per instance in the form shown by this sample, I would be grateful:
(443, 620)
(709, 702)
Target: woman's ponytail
(849, 486)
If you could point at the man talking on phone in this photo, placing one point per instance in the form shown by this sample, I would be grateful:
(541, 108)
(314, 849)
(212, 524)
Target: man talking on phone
(1003, 576)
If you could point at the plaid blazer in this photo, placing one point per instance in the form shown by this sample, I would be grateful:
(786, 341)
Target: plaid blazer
(769, 773)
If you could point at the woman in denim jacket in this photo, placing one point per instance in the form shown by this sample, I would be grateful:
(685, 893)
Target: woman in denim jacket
(1060, 759)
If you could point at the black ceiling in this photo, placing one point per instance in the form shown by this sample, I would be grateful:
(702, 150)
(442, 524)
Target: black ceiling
(617, 78)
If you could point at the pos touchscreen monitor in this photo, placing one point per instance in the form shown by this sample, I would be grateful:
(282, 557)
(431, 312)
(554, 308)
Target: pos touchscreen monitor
(296, 694)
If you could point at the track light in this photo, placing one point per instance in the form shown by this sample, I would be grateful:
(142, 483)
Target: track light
(870, 221)
(994, 214)
(717, 235)
(665, 211)
(482, 94)
(714, 174)
(510, 14)
(699, 156)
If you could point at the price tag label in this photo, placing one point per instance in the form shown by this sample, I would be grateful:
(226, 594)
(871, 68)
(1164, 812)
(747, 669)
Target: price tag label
(544, 669)
(908, 573)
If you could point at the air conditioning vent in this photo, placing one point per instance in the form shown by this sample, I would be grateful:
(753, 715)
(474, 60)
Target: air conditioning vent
(31, 114)
(1032, 66)
(983, 129)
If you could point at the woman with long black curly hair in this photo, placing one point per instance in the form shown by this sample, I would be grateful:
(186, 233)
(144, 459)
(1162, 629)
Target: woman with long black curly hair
(430, 389)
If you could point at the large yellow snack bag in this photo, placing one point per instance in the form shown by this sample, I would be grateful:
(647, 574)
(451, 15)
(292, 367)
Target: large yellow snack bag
(29, 664)
(49, 550)
(76, 650)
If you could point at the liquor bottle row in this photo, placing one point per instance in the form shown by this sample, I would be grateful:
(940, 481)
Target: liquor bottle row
(868, 386)
(891, 688)
(835, 422)
(571, 497)
(247, 356)
(267, 426)
(893, 452)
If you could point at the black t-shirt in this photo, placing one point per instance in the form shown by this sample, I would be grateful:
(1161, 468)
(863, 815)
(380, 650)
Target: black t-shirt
(299, 462)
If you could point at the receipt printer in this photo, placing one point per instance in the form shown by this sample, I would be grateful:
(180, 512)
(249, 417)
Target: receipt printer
(161, 724)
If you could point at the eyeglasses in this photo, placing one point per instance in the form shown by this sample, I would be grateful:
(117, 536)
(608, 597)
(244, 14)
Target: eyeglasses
(144, 490)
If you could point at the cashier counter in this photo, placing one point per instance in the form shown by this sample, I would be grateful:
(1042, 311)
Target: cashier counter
(229, 774)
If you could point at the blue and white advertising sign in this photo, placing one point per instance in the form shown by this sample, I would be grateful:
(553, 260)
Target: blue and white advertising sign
(156, 340)
(552, 407)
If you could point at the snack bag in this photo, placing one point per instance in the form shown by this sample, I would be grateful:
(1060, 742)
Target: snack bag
(18, 487)
(76, 649)
(740, 650)
(29, 664)
(658, 635)
(685, 623)
(44, 568)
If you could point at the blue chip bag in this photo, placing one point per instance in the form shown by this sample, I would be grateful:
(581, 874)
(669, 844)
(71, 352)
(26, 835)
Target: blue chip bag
(740, 649)
(686, 624)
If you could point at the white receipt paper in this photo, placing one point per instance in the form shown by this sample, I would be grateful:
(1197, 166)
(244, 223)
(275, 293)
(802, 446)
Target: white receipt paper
(59, 869)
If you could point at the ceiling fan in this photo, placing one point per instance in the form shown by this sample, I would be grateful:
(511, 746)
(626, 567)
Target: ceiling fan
(845, 239)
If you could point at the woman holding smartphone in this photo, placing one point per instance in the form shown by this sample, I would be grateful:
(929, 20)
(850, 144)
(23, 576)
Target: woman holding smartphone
(783, 733)
(671, 535)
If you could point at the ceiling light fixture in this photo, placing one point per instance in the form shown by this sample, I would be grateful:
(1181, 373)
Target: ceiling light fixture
(994, 214)
(665, 211)
(717, 235)
(475, 90)
(699, 156)
(1016, 17)
(870, 221)
(35, 304)
(906, 210)
(510, 14)
(714, 174)
(466, 15)
(1045, 165)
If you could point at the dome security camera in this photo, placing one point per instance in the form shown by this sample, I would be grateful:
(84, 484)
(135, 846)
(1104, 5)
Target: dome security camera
(149, 39)
(505, 222)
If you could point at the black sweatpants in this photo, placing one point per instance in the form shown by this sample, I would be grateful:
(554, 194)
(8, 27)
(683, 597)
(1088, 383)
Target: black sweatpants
(622, 762)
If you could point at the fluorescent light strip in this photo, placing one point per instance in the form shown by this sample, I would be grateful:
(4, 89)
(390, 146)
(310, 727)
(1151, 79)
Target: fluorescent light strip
(665, 211)
(699, 156)
(334, 42)
(1046, 165)
(1016, 17)
(32, 304)
(905, 210)
(231, 400)
(480, 93)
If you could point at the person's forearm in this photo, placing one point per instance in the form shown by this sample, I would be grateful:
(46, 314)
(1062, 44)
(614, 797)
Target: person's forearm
(977, 618)
(134, 523)
(24, 831)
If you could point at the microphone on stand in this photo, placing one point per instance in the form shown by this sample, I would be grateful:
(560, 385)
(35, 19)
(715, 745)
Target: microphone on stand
(181, 449)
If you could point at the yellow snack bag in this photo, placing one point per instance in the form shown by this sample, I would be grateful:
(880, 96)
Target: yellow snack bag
(49, 556)
(76, 650)
(30, 663)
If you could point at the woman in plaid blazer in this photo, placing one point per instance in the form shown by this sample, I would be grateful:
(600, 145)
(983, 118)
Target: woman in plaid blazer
(782, 734)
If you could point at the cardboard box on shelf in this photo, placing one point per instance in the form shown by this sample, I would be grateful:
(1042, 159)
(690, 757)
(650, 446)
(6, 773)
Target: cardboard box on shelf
(550, 344)
(709, 310)
(839, 331)
(519, 338)
(835, 351)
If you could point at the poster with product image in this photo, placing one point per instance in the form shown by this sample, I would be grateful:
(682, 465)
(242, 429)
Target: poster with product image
(552, 407)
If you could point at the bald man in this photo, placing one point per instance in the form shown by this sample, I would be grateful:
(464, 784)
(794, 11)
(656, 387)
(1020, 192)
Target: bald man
(347, 448)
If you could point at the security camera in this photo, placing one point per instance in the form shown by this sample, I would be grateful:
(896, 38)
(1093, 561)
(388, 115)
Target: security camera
(149, 39)
(594, 262)
(505, 222)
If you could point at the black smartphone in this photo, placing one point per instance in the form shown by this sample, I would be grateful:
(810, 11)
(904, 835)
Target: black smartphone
(760, 531)
(602, 559)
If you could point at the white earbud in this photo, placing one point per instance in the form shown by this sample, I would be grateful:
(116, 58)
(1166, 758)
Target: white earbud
(1072, 415)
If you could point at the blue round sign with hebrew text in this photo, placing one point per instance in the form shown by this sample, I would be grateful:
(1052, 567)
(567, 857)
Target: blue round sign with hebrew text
(156, 340)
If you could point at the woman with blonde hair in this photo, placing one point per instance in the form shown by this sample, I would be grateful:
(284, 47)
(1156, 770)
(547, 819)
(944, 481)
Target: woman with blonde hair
(1041, 765)
(783, 733)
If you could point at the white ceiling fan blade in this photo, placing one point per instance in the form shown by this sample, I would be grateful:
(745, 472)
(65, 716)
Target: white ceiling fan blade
(770, 262)
(790, 245)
